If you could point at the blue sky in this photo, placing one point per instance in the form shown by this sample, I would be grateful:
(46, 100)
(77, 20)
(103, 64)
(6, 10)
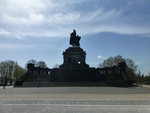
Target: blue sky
(40, 30)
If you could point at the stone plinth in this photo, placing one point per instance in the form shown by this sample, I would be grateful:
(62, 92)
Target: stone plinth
(74, 57)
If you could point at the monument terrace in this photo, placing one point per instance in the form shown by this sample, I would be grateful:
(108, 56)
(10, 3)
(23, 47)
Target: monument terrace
(74, 71)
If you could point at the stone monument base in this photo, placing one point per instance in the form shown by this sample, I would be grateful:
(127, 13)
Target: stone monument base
(75, 75)
(74, 71)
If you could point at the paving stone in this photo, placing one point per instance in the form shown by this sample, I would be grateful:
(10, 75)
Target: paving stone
(75, 102)
(16, 100)
(74, 109)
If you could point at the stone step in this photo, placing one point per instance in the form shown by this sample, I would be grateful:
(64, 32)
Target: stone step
(35, 84)
(52, 84)
(29, 84)
(35, 79)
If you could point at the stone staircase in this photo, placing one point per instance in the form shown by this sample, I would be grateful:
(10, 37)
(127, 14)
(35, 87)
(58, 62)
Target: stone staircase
(36, 80)
(36, 84)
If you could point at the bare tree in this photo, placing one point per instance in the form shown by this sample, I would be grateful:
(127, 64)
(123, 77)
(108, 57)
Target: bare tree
(32, 61)
(6, 70)
(41, 64)
(18, 72)
(56, 66)
(114, 61)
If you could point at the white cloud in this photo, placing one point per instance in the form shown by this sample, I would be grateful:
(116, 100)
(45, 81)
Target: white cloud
(101, 57)
(33, 19)
(19, 7)
(50, 18)
(10, 46)
(63, 18)
(4, 32)
(147, 35)
(123, 29)
(22, 12)
(15, 46)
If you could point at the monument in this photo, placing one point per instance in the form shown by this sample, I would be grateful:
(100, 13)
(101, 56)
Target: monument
(74, 67)
(75, 71)
(74, 57)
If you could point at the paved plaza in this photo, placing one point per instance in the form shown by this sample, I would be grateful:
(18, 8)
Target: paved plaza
(75, 100)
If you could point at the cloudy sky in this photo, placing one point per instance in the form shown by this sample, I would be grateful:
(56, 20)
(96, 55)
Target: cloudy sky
(40, 30)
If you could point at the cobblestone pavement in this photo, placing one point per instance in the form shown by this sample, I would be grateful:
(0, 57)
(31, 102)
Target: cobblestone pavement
(74, 106)
(63, 102)
(75, 100)
(76, 90)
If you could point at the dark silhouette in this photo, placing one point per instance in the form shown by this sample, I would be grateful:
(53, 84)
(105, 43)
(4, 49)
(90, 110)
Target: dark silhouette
(75, 71)
(4, 83)
(74, 40)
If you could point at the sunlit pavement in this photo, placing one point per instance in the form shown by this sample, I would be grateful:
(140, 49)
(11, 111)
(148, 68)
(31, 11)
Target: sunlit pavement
(75, 100)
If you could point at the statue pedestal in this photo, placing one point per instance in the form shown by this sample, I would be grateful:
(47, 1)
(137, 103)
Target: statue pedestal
(74, 67)
(74, 57)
